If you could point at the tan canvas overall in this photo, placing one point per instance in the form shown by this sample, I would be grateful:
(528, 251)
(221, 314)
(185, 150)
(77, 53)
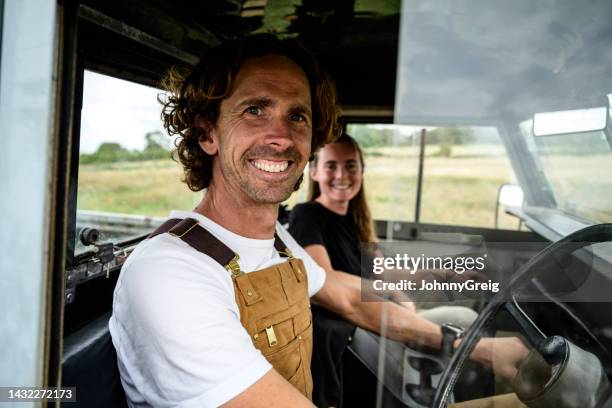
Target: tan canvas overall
(273, 302)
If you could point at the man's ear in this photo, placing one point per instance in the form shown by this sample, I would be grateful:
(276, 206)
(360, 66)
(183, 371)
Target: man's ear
(208, 141)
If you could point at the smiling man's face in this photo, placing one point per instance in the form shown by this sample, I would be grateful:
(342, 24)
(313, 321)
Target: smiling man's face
(261, 141)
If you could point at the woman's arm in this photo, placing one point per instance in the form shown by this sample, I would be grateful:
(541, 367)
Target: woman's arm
(341, 294)
(321, 256)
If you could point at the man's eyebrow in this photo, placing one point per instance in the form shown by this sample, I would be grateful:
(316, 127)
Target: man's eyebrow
(301, 109)
(257, 101)
(265, 102)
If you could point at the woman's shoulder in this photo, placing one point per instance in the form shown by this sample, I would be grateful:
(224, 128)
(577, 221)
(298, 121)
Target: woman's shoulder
(308, 216)
(309, 208)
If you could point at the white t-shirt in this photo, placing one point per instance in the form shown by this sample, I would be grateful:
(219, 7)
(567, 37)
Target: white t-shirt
(176, 325)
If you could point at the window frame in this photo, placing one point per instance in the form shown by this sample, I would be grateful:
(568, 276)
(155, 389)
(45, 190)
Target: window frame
(140, 52)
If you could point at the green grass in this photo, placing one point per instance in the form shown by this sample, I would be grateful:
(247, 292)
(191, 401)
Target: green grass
(457, 190)
(149, 188)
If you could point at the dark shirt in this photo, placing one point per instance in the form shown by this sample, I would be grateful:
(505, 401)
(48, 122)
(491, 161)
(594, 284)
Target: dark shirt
(310, 224)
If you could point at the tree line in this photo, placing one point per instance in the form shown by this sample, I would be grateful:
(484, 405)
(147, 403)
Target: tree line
(157, 146)
(368, 136)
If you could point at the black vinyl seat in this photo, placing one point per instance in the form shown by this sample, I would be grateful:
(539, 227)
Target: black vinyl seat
(89, 363)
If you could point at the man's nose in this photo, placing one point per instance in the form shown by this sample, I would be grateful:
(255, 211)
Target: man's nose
(279, 133)
(340, 172)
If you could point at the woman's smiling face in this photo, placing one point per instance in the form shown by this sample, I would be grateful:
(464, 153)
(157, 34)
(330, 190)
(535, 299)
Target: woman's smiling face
(339, 172)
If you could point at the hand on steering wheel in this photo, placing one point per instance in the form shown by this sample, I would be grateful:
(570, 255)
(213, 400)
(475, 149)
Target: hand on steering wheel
(501, 354)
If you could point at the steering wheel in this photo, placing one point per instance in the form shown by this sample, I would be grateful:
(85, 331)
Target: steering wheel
(585, 237)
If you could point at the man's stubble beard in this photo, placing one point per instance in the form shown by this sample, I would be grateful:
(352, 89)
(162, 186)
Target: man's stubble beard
(260, 195)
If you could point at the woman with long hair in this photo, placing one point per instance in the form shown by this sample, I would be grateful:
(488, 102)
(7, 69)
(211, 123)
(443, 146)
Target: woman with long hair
(331, 226)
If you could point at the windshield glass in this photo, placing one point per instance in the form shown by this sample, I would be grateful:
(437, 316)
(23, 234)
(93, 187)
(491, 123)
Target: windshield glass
(463, 169)
(499, 64)
(576, 166)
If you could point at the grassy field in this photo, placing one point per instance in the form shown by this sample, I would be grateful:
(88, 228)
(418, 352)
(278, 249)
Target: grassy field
(458, 190)
(145, 187)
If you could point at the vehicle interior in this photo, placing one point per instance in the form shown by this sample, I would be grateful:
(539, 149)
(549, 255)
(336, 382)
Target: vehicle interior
(486, 131)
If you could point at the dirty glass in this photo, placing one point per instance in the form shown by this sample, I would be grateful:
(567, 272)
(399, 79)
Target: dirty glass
(463, 169)
(456, 64)
(495, 64)
(576, 166)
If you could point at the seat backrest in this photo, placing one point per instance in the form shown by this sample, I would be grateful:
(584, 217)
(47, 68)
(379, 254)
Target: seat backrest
(89, 363)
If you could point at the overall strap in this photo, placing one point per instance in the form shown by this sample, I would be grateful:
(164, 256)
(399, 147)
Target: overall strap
(281, 248)
(197, 237)
(190, 232)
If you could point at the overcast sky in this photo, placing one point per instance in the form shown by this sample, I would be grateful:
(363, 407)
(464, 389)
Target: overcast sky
(117, 111)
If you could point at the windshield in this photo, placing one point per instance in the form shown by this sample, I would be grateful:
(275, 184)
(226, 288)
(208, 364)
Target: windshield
(463, 62)
(499, 64)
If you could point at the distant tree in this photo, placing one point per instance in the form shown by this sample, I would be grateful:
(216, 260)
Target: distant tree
(444, 150)
(86, 158)
(110, 152)
(449, 136)
(157, 146)
(110, 148)
(369, 136)
(157, 140)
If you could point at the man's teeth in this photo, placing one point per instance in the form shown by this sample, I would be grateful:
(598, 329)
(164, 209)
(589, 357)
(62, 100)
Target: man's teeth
(271, 166)
(342, 186)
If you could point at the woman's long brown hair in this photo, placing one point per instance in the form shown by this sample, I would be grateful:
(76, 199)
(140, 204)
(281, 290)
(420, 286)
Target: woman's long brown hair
(358, 206)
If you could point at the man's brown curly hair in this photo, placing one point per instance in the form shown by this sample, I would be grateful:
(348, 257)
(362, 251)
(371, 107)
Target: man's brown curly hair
(197, 94)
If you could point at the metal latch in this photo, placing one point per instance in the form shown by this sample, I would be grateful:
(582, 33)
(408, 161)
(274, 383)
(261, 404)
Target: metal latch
(287, 252)
(233, 267)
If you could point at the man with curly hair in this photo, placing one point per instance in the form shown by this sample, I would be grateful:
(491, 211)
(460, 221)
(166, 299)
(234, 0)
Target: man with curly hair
(213, 309)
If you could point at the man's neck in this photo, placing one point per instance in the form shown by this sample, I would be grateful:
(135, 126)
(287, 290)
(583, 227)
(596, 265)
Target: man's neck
(248, 219)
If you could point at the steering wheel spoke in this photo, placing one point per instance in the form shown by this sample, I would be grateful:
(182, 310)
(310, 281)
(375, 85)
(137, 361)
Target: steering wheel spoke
(532, 332)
